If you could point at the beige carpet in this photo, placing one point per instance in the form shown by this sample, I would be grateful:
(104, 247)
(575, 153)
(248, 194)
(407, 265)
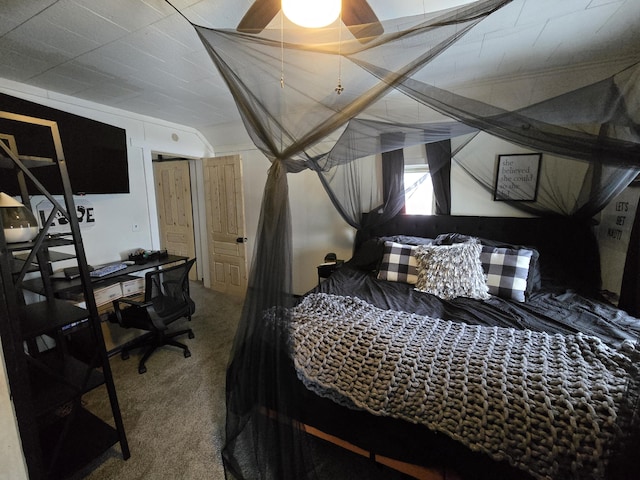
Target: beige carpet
(173, 414)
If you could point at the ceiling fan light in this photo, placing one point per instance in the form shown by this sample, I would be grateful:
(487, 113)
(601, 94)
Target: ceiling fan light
(312, 13)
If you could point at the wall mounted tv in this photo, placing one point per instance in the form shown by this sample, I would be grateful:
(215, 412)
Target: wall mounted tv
(95, 152)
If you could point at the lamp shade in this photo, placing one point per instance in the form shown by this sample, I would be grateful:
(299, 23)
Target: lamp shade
(20, 224)
(312, 13)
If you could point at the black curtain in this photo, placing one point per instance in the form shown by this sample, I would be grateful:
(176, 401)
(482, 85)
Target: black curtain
(629, 298)
(393, 178)
(439, 159)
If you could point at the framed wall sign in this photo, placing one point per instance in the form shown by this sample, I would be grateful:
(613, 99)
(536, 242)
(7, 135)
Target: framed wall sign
(84, 211)
(517, 177)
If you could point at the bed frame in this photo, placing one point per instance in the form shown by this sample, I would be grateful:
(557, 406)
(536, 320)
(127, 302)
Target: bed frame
(568, 246)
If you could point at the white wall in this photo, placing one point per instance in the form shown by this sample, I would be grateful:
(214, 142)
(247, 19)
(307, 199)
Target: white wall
(317, 229)
(316, 226)
(112, 237)
(561, 179)
(469, 198)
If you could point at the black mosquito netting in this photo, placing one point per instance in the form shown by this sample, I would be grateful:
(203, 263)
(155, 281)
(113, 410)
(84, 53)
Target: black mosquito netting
(320, 100)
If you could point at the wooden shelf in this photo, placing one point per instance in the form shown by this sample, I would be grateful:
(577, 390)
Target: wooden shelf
(17, 264)
(87, 437)
(51, 241)
(58, 436)
(55, 378)
(48, 316)
(50, 256)
(27, 161)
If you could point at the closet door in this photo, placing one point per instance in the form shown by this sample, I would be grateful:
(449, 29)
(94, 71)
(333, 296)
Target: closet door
(224, 204)
(175, 213)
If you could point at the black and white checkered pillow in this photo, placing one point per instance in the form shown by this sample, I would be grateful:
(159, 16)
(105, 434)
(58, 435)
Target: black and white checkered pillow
(399, 263)
(506, 270)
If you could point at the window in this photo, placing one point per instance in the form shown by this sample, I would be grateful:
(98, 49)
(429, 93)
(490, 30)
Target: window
(418, 192)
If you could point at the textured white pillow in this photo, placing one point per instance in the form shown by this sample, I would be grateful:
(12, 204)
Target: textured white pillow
(450, 271)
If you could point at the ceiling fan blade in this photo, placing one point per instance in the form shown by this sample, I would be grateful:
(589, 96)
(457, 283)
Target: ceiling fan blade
(361, 20)
(258, 16)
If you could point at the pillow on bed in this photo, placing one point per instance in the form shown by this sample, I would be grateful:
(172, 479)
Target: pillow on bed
(399, 263)
(450, 271)
(507, 270)
(369, 255)
(534, 277)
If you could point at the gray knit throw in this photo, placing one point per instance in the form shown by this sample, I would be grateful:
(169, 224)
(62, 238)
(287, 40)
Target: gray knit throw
(551, 405)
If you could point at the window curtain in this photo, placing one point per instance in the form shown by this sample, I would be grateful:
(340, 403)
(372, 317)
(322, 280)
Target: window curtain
(393, 179)
(630, 288)
(439, 159)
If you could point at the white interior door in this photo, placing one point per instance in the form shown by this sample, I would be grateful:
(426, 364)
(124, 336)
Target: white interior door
(224, 206)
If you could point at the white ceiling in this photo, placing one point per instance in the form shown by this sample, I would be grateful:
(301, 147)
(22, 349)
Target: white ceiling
(142, 56)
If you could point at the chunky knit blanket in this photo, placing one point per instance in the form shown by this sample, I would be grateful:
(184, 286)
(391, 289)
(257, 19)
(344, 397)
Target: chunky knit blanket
(551, 405)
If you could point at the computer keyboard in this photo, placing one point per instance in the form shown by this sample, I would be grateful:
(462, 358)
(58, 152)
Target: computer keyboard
(107, 269)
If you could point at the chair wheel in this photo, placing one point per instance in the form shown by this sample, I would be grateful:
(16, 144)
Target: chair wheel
(142, 369)
(187, 354)
(124, 355)
(191, 335)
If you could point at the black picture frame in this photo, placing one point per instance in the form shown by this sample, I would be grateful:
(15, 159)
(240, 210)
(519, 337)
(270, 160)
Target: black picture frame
(517, 177)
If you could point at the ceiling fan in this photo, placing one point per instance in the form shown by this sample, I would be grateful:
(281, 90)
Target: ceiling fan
(357, 15)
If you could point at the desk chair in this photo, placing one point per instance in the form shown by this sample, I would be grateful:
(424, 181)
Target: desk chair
(166, 299)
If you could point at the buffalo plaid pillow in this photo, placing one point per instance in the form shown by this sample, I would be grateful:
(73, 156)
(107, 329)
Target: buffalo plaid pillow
(399, 263)
(506, 270)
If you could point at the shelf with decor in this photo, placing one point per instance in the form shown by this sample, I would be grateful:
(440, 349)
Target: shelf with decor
(47, 382)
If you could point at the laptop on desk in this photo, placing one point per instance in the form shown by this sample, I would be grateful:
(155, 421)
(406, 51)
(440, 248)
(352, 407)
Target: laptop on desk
(71, 273)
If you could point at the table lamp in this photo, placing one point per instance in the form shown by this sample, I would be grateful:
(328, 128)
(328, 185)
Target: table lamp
(20, 224)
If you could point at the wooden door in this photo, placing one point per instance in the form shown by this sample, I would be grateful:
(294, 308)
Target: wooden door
(224, 205)
(175, 213)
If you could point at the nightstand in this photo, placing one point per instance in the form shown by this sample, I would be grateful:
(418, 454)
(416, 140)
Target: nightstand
(326, 269)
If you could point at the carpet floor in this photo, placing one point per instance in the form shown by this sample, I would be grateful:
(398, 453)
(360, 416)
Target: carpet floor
(174, 414)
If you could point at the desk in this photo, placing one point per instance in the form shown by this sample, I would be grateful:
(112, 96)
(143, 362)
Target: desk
(62, 286)
(115, 337)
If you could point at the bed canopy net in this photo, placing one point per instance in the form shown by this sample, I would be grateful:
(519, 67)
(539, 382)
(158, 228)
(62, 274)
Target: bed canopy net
(318, 100)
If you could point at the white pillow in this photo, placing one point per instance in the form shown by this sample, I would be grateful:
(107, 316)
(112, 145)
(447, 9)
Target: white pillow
(451, 271)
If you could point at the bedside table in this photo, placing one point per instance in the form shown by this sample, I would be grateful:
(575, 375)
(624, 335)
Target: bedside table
(326, 269)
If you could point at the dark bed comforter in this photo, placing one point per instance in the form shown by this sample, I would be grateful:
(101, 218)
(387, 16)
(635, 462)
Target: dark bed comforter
(553, 310)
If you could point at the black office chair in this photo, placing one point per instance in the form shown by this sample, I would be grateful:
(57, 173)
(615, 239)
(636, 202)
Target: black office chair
(166, 299)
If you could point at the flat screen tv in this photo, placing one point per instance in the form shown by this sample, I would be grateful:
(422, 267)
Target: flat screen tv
(95, 152)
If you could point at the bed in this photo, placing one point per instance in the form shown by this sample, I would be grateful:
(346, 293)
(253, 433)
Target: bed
(539, 381)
